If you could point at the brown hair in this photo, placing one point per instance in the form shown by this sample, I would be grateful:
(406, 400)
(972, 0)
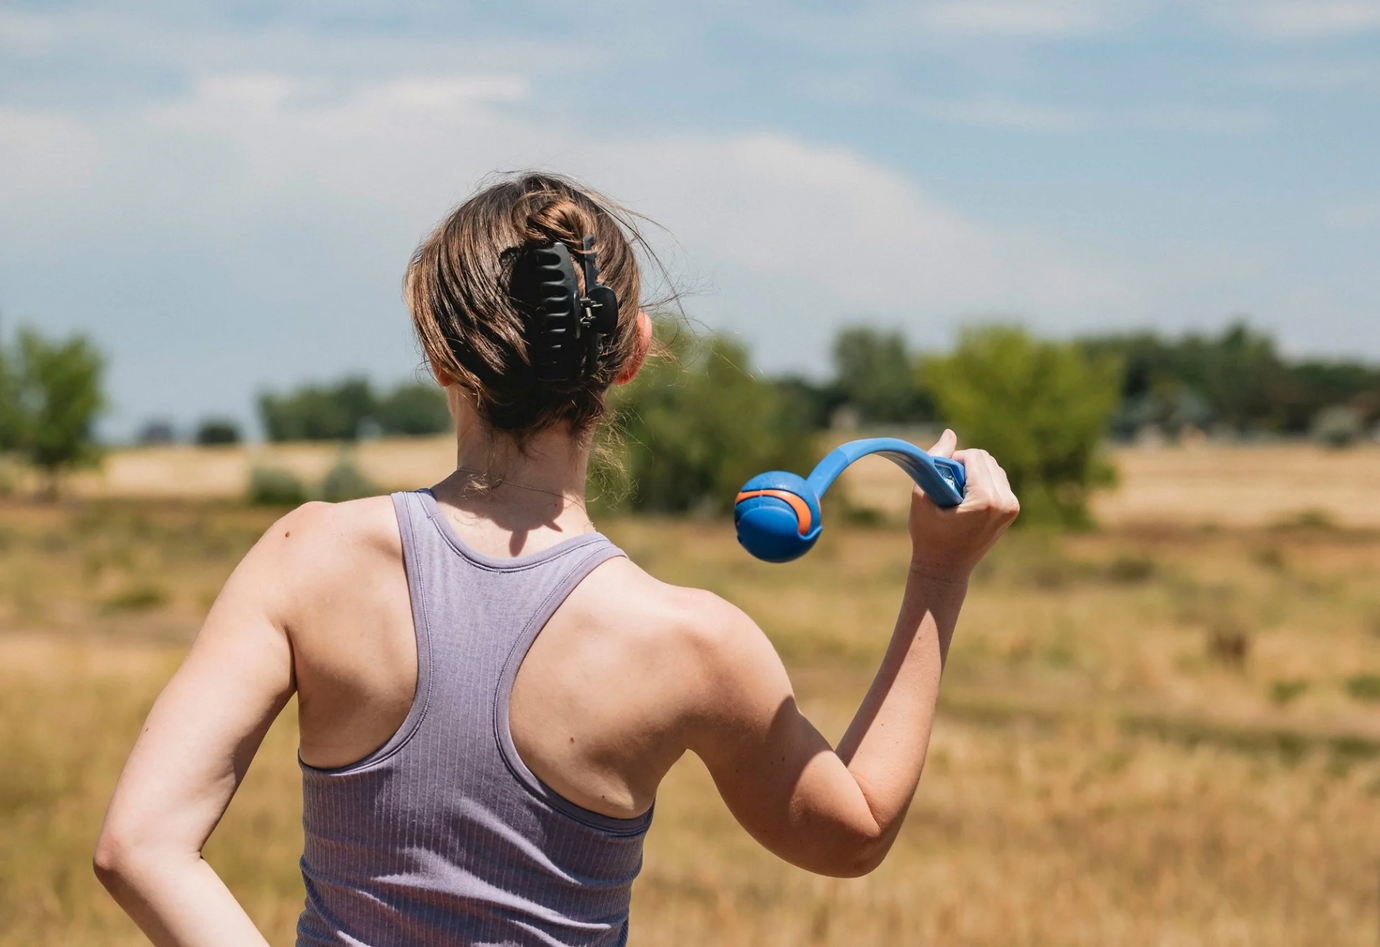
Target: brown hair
(458, 288)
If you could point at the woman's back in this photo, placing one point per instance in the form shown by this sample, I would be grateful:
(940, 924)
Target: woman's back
(442, 834)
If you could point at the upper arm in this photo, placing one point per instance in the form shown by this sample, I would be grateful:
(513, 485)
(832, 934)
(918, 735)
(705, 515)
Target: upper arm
(205, 727)
(778, 775)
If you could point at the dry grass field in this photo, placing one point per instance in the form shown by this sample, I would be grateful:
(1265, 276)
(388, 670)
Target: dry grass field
(1157, 734)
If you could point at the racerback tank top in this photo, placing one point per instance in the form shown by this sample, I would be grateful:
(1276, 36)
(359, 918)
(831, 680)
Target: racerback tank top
(442, 836)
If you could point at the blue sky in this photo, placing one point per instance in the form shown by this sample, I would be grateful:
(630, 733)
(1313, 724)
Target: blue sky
(224, 195)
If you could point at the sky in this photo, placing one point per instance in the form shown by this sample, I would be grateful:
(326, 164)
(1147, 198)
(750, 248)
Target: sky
(224, 195)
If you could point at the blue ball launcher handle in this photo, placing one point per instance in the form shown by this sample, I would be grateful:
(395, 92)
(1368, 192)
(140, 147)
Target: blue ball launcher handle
(942, 479)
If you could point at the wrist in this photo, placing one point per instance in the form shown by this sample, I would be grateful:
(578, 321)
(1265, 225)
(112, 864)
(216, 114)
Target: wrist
(947, 576)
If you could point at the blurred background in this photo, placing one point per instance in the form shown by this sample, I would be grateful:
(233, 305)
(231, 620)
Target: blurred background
(1127, 245)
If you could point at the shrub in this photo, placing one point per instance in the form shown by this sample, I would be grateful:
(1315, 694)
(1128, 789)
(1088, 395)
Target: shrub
(318, 413)
(874, 373)
(350, 409)
(273, 486)
(1364, 686)
(417, 408)
(157, 432)
(346, 481)
(1284, 692)
(137, 598)
(1338, 426)
(1041, 409)
(1130, 570)
(696, 427)
(218, 431)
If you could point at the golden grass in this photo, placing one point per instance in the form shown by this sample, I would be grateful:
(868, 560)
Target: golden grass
(1101, 772)
(182, 471)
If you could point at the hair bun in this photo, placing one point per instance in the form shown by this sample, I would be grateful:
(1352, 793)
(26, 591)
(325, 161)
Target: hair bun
(559, 219)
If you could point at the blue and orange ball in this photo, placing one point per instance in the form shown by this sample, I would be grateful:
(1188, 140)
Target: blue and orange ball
(777, 516)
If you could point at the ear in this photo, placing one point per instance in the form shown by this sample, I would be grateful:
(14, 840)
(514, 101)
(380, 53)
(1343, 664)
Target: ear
(644, 344)
(440, 374)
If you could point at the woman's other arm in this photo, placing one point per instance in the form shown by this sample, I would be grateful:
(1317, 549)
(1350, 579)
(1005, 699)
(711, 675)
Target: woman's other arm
(192, 752)
(837, 812)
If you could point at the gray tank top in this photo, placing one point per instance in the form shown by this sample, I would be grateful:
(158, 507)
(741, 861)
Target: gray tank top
(442, 835)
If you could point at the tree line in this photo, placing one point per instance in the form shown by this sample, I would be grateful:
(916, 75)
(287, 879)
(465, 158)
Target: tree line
(695, 425)
(1235, 383)
(1044, 407)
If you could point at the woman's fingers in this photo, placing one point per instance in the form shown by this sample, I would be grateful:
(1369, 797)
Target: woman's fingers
(987, 484)
(944, 447)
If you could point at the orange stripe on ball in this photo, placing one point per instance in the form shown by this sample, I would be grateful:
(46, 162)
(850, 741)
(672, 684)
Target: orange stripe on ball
(803, 517)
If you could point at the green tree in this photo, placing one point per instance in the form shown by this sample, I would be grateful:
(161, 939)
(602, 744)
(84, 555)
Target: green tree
(875, 373)
(213, 431)
(318, 412)
(9, 407)
(414, 408)
(1235, 380)
(1040, 407)
(55, 395)
(697, 426)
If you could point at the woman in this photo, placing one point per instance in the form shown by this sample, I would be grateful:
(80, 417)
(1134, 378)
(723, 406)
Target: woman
(489, 692)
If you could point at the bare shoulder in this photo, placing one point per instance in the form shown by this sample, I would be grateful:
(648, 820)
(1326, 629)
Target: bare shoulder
(324, 548)
(320, 532)
(702, 639)
(671, 614)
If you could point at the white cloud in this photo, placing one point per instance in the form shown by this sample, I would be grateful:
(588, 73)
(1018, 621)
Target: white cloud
(756, 203)
(376, 141)
(1300, 19)
(840, 235)
(1314, 76)
(44, 153)
(1029, 19)
(1360, 215)
(795, 235)
(1202, 119)
(994, 112)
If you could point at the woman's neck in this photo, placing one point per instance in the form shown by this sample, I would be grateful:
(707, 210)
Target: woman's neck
(506, 499)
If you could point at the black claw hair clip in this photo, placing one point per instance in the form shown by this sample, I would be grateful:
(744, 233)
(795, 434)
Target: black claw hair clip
(566, 332)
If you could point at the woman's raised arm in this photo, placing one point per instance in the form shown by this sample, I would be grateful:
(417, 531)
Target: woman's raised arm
(837, 811)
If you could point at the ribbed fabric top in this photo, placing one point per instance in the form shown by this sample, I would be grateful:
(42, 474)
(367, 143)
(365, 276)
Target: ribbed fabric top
(442, 835)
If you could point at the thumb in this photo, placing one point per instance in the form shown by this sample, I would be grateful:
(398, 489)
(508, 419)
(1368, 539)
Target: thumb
(945, 446)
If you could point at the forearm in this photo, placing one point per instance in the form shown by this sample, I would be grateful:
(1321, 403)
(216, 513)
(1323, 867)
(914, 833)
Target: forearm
(178, 901)
(884, 748)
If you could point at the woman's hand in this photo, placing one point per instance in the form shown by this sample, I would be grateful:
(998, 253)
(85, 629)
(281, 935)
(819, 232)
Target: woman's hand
(948, 542)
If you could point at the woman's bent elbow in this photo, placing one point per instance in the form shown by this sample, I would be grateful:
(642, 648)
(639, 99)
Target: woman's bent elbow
(855, 860)
(863, 863)
(117, 860)
(109, 861)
